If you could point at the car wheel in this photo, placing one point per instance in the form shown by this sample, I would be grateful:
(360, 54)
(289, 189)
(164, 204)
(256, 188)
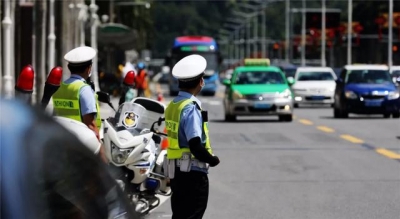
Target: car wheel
(386, 115)
(345, 114)
(396, 115)
(286, 118)
(230, 118)
(336, 113)
(296, 105)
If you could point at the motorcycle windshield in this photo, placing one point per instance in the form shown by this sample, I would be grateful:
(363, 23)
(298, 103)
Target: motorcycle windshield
(130, 116)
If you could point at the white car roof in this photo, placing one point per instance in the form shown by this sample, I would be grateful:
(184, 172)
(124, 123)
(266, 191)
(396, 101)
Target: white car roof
(314, 69)
(395, 67)
(366, 67)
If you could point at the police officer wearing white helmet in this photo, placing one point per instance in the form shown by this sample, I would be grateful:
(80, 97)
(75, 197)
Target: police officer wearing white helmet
(189, 153)
(75, 99)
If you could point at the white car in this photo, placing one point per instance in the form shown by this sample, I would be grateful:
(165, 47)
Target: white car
(395, 74)
(314, 85)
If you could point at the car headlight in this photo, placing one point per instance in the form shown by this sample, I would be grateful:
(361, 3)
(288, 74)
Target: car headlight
(236, 95)
(350, 95)
(286, 94)
(118, 155)
(393, 95)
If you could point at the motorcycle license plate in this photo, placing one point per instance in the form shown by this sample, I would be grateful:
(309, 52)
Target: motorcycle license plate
(262, 105)
(374, 103)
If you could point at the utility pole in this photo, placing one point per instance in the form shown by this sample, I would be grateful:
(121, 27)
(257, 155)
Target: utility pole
(323, 36)
(67, 34)
(263, 32)
(236, 43)
(390, 40)
(51, 39)
(287, 14)
(303, 34)
(1, 55)
(255, 37)
(8, 77)
(93, 42)
(248, 51)
(82, 17)
(111, 11)
(40, 71)
(349, 30)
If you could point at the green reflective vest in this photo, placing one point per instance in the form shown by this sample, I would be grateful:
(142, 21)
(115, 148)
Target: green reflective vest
(66, 102)
(172, 121)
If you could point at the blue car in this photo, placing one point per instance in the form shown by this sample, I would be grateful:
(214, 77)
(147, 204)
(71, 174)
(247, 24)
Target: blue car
(366, 89)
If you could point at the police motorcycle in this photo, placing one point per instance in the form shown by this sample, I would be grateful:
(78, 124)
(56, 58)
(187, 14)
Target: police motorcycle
(132, 144)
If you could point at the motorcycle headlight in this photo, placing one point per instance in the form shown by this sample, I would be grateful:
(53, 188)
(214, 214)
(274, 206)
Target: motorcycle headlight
(286, 94)
(393, 95)
(236, 95)
(350, 95)
(118, 155)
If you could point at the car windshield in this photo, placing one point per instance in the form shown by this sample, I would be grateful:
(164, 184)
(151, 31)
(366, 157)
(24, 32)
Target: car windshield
(315, 76)
(396, 73)
(289, 72)
(259, 77)
(368, 77)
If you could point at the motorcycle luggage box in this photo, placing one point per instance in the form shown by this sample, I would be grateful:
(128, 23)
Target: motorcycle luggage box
(155, 110)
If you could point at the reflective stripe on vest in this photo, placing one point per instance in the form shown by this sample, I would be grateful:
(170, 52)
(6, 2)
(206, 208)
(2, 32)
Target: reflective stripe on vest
(172, 121)
(66, 101)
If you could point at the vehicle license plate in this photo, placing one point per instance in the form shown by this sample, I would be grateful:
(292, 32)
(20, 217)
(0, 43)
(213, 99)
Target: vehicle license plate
(262, 105)
(317, 97)
(373, 103)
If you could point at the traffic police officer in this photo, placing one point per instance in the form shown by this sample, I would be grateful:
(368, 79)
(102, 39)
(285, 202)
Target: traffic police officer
(189, 153)
(75, 99)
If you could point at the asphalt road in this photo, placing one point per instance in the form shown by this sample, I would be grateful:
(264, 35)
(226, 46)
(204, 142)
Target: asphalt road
(314, 167)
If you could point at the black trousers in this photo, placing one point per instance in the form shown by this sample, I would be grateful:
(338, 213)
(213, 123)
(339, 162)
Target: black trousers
(189, 194)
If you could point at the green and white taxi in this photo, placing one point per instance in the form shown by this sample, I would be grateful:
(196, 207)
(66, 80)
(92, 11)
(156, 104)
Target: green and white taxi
(258, 89)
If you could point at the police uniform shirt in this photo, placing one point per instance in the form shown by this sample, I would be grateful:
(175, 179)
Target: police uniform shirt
(87, 98)
(191, 123)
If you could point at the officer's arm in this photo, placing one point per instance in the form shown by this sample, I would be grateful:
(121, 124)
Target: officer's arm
(192, 124)
(90, 122)
(200, 152)
(88, 109)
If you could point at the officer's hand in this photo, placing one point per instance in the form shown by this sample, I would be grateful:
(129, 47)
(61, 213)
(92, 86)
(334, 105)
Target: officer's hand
(215, 162)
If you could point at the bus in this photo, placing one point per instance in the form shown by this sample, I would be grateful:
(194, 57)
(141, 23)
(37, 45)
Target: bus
(203, 45)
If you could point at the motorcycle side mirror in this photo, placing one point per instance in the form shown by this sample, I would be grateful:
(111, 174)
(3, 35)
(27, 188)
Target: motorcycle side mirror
(160, 120)
(105, 98)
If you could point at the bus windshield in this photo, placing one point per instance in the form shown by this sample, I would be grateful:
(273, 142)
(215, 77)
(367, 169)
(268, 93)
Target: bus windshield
(211, 57)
